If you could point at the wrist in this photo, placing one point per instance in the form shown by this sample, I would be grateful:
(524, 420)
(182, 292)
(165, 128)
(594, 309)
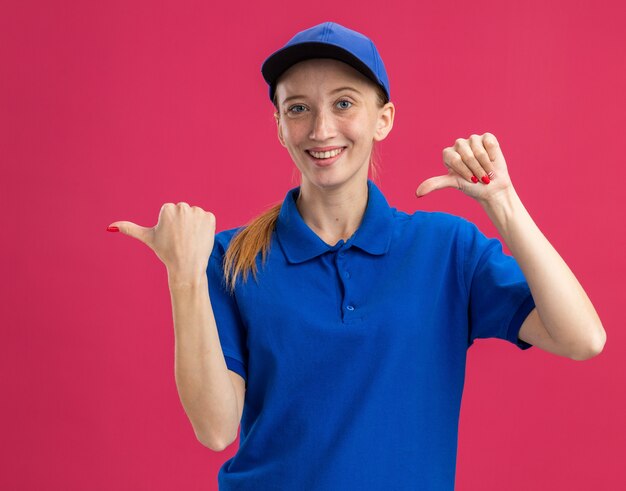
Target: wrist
(186, 280)
(502, 206)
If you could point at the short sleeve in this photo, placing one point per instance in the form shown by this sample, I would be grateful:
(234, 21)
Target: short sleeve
(499, 295)
(230, 327)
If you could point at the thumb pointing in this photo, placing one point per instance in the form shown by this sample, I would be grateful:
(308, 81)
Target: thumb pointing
(132, 229)
(435, 183)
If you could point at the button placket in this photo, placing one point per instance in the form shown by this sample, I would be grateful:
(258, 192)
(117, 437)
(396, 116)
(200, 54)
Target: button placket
(349, 309)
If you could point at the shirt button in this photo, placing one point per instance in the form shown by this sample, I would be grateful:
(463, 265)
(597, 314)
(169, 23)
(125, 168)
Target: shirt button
(347, 275)
(349, 307)
(342, 253)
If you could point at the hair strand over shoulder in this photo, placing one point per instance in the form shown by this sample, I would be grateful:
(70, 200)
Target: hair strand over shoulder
(240, 257)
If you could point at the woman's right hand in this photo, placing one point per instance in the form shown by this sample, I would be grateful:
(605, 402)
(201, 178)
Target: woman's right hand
(182, 238)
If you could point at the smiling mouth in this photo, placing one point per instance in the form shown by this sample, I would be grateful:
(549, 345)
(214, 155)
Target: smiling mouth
(328, 155)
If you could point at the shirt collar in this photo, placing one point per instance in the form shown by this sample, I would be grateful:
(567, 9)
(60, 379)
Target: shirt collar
(300, 243)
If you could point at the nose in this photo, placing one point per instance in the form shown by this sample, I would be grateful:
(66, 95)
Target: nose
(323, 126)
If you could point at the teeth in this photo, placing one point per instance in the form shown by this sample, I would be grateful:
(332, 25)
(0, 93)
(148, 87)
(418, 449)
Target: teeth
(326, 155)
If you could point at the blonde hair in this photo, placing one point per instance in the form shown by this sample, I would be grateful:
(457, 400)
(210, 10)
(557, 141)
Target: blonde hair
(256, 235)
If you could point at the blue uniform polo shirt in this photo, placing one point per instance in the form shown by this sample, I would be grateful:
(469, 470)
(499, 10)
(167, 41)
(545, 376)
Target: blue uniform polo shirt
(354, 353)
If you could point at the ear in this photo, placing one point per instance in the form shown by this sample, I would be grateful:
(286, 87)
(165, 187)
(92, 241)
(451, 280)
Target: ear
(385, 121)
(280, 129)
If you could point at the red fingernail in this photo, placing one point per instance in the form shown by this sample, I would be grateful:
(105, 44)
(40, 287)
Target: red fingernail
(474, 179)
(485, 179)
(113, 229)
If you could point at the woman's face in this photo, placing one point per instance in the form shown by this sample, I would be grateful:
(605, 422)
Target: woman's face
(326, 105)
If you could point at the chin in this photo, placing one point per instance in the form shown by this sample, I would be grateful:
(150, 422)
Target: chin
(332, 178)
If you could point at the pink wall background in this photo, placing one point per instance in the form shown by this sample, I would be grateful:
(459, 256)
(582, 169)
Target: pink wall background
(110, 109)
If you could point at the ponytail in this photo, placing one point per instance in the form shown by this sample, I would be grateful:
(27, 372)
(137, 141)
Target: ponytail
(246, 244)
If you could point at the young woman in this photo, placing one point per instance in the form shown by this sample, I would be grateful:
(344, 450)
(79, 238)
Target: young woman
(344, 357)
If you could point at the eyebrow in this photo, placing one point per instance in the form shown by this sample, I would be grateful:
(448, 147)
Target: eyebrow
(332, 92)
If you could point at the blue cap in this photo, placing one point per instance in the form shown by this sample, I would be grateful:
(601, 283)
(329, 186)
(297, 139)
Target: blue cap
(327, 40)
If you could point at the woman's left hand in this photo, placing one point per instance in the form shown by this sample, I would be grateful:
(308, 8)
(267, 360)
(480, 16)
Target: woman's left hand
(477, 157)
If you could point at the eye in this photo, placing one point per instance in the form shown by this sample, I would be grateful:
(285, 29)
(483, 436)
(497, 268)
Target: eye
(342, 101)
(295, 106)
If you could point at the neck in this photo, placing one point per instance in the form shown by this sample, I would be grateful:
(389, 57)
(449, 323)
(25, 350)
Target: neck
(333, 214)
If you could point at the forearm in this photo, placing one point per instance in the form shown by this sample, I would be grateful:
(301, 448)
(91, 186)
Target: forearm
(204, 384)
(562, 304)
